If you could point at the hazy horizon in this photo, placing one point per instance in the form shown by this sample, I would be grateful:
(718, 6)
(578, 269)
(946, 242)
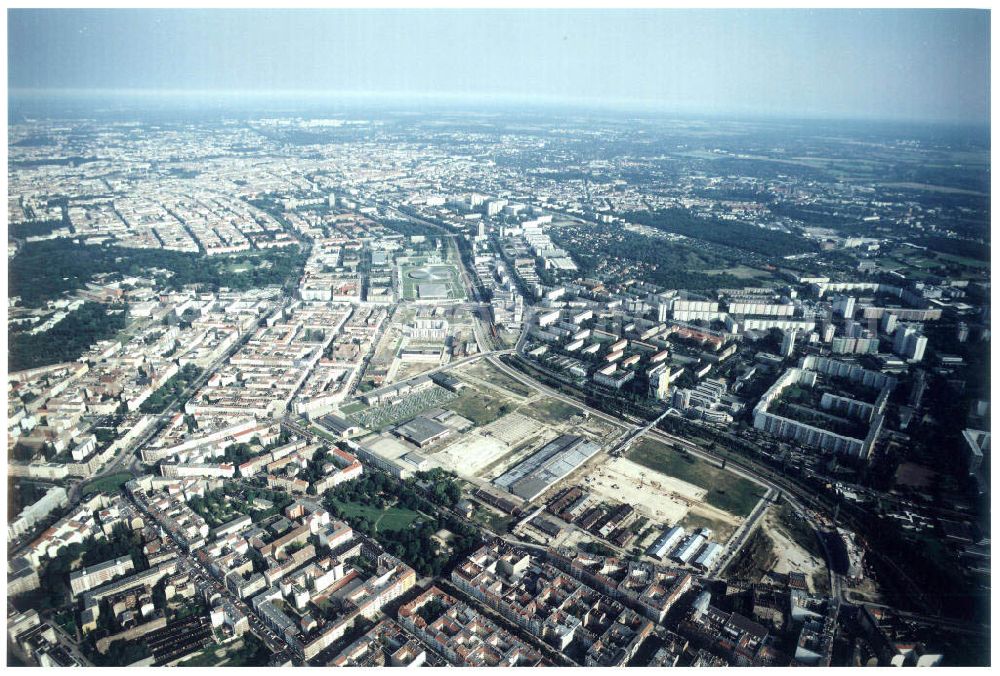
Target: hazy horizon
(892, 65)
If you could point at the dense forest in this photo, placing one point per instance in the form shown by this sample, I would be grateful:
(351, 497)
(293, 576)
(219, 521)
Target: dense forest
(65, 341)
(955, 247)
(35, 228)
(731, 233)
(665, 263)
(36, 280)
(410, 228)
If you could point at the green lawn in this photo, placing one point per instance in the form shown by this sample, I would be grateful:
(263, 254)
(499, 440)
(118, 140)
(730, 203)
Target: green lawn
(726, 491)
(109, 484)
(392, 518)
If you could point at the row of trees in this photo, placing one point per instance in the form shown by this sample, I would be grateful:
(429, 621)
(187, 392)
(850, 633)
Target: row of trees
(35, 228)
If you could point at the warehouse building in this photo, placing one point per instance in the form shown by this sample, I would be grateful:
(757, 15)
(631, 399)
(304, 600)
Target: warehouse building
(547, 466)
(666, 542)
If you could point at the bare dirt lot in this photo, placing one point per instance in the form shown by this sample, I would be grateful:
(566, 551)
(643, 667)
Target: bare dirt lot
(663, 499)
(792, 557)
(472, 454)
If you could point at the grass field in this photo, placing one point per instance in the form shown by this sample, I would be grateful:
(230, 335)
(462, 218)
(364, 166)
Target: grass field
(962, 260)
(478, 407)
(353, 407)
(109, 484)
(744, 272)
(726, 491)
(392, 518)
(918, 263)
(551, 410)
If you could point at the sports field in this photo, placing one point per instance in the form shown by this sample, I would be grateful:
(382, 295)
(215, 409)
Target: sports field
(420, 280)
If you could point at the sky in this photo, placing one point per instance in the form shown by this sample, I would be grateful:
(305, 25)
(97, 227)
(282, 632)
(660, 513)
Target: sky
(921, 65)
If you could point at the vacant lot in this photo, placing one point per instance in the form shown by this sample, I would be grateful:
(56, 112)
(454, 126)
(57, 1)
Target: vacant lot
(795, 547)
(700, 517)
(724, 490)
(471, 454)
(483, 371)
(665, 500)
